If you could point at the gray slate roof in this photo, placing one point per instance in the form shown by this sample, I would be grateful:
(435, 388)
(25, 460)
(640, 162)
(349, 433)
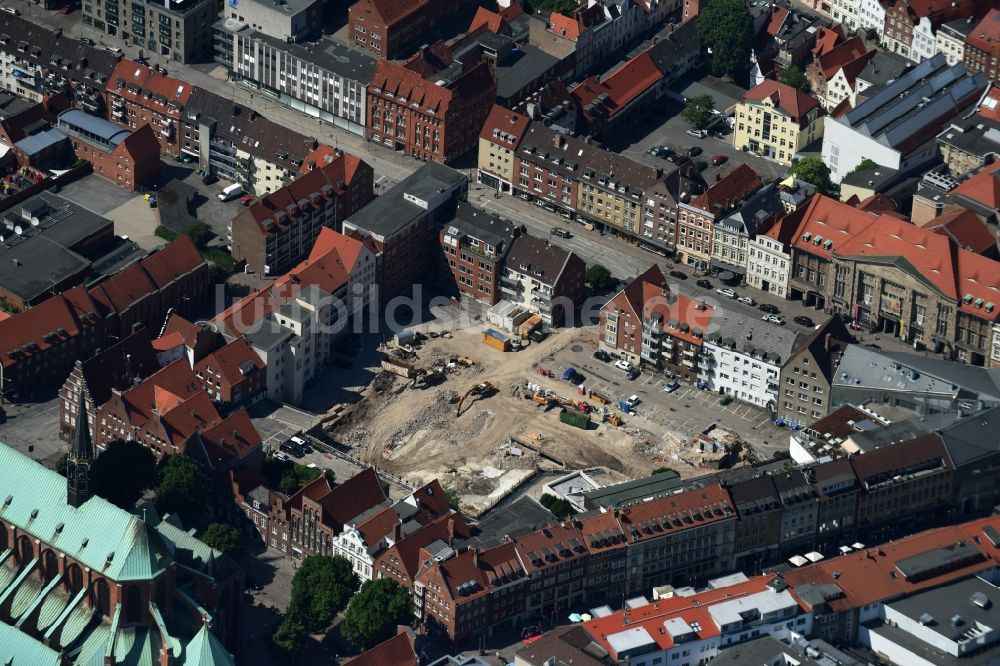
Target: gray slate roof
(984, 383)
(883, 68)
(328, 54)
(489, 228)
(762, 206)
(746, 333)
(973, 437)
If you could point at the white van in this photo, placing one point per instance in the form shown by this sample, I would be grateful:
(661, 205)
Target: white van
(231, 192)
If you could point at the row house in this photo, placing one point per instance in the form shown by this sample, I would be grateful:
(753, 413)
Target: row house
(697, 217)
(910, 27)
(394, 29)
(807, 376)
(401, 558)
(239, 145)
(733, 233)
(138, 95)
(776, 121)
(180, 32)
(544, 279)
(658, 230)
(950, 39)
(498, 142)
(871, 16)
(38, 63)
(276, 231)
(475, 245)
(769, 257)
(833, 76)
(982, 47)
(233, 375)
(437, 119)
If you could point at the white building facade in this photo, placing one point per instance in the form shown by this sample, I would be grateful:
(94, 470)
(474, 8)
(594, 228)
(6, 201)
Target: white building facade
(871, 16)
(768, 262)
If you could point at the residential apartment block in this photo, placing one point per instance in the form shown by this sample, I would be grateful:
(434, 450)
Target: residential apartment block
(732, 234)
(807, 376)
(179, 31)
(950, 39)
(325, 78)
(544, 278)
(777, 121)
(138, 95)
(278, 230)
(475, 245)
(982, 46)
(128, 159)
(696, 218)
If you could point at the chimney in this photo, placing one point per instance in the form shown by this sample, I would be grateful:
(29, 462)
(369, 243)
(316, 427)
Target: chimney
(475, 557)
(451, 532)
(826, 342)
(397, 531)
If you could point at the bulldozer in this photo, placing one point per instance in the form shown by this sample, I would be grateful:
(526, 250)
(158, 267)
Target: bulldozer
(545, 400)
(476, 390)
(613, 419)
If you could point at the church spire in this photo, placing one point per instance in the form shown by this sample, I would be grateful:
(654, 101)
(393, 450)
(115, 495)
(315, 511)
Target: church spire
(79, 472)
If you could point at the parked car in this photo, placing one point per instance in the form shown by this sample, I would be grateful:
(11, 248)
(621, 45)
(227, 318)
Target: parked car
(623, 365)
(632, 374)
(697, 133)
(726, 291)
(681, 160)
(562, 233)
(704, 284)
(246, 200)
(854, 326)
(701, 165)
(602, 356)
(679, 275)
(632, 401)
(671, 386)
(803, 320)
(694, 151)
(774, 319)
(87, 40)
(719, 160)
(281, 456)
(208, 178)
(11, 11)
(291, 449)
(768, 308)
(747, 299)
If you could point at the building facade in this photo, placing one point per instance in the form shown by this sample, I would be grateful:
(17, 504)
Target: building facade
(393, 29)
(544, 278)
(777, 121)
(982, 47)
(138, 95)
(696, 218)
(128, 159)
(178, 31)
(475, 245)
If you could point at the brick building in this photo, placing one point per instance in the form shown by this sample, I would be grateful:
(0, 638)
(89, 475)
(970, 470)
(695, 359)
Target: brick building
(138, 95)
(393, 29)
(475, 245)
(277, 231)
(544, 278)
(128, 159)
(807, 375)
(403, 225)
(611, 102)
(431, 119)
(696, 219)
(982, 47)
(233, 375)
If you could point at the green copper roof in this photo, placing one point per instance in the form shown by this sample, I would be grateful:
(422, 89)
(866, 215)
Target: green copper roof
(20, 649)
(174, 537)
(97, 534)
(206, 650)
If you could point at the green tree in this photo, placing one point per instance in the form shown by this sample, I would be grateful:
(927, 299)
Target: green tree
(454, 498)
(199, 232)
(559, 6)
(375, 612)
(599, 277)
(725, 27)
(224, 538)
(289, 636)
(288, 476)
(123, 472)
(813, 170)
(793, 76)
(660, 470)
(321, 588)
(181, 488)
(865, 164)
(698, 111)
(62, 462)
(559, 507)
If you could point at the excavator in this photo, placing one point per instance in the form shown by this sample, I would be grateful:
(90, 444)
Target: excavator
(479, 390)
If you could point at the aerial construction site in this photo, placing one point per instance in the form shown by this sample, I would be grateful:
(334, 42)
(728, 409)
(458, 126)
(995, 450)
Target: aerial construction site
(485, 421)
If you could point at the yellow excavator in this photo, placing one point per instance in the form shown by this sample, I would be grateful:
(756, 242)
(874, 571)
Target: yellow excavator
(478, 390)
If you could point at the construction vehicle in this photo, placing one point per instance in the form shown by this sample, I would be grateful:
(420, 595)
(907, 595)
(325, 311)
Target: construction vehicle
(429, 377)
(599, 398)
(545, 399)
(545, 372)
(584, 407)
(613, 420)
(478, 390)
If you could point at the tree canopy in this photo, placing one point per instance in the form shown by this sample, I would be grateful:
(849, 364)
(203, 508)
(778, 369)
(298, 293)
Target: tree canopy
(813, 170)
(321, 588)
(660, 470)
(599, 277)
(375, 612)
(453, 497)
(559, 6)
(224, 538)
(698, 111)
(725, 27)
(123, 472)
(290, 634)
(794, 77)
(865, 164)
(559, 507)
(288, 476)
(181, 487)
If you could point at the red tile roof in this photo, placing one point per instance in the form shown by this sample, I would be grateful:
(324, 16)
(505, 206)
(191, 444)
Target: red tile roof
(632, 297)
(619, 89)
(722, 195)
(230, 438)
(990, 105)
(346, 247)
(403, 83)
(141, 144)
(778, 16)
(550, 547)
(124, 289)
(827, 39)
(493, 21)
(168, 341)
(361, 492)
(851, 51)
(408, 548)
(168, 95)
(234, 361)
(873, 574)
(72, 311)
(397, 651)
(966, 229)
(984, 187)
(176, 379)
(504, 127)
(986, 34)
(877, 203)
(791, 100)
(978, 284)
(830, 220)
(675, 513)
(691, 316)
(602, 531)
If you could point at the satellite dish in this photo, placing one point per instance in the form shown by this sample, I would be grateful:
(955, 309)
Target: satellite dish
(34, 221)
(18, 230)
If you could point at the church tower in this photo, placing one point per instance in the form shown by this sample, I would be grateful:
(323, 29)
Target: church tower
(79, 469)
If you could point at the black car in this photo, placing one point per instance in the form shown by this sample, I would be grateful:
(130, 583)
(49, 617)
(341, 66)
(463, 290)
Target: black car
(768, 308)
(704, 284)
(678, 275)
(632, 374)
(292, 449)
(681, 160)
(208, 178)
(602, 355)
(802, 320)
(701, 165)
(694, 151)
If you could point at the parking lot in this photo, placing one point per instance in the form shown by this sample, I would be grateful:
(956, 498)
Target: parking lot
(204, 205)
(682, 413)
